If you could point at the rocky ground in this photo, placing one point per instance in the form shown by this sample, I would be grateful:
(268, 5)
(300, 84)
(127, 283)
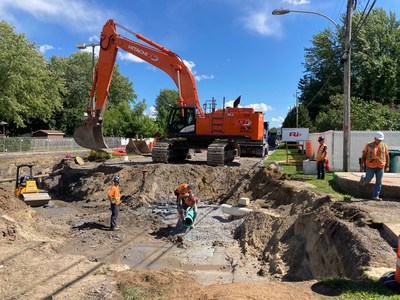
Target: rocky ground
(293, 236)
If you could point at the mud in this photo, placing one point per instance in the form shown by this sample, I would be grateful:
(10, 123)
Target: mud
(64, 250)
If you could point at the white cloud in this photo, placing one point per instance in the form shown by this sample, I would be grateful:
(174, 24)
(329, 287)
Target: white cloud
(260, 107)
(297, 2)
(261, 22)
(278, 120)
(257, 106)
(151, 112)
(129, 57)
(45, 47)
(190, 64)
(75, 14)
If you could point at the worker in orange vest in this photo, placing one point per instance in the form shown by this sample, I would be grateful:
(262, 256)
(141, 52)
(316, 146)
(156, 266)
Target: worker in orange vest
(375, 158)
(321, 158)
(114, 196)
(182, 192)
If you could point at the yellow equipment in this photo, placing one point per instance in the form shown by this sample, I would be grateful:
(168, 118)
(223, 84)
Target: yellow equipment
(26, 188)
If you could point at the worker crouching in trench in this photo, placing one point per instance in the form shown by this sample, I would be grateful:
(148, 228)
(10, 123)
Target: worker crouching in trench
(186, 204)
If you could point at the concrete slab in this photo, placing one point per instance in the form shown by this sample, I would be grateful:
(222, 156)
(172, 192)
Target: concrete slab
(349, 182)
(379, 210)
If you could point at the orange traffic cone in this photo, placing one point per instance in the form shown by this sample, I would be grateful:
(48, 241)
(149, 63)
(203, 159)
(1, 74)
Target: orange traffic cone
(391, 280)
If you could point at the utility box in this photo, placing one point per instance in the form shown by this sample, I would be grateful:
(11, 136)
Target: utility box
(393, 161)
(310, 167)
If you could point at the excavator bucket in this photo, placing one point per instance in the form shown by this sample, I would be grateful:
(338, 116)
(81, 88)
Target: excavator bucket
(91, 137)
(138, 147)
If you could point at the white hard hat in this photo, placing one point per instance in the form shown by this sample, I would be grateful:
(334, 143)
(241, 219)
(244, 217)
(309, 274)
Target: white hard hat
(379, 135)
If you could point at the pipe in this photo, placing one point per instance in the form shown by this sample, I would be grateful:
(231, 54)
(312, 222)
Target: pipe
(189, 217)
(235, 211)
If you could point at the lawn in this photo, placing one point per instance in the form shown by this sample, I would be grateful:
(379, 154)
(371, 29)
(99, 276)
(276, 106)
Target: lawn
(290, 162)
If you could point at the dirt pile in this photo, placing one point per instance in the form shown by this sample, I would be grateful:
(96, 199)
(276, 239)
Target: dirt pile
(292, 234)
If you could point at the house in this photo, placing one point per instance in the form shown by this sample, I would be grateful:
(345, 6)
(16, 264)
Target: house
(48, 134)
(3, 130)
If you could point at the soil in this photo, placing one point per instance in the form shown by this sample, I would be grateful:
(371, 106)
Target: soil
(292, 236)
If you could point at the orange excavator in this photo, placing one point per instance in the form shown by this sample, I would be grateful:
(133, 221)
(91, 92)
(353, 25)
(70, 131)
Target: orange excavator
(225, 133)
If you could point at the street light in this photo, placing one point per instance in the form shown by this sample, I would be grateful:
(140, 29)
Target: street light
(346, 74)
(84, 46)
(284, 11)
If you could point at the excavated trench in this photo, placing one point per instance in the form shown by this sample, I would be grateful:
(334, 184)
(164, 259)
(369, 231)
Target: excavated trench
(292, 234)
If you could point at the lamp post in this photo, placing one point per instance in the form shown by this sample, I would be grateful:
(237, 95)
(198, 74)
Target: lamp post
(346, 74)
(84, 46)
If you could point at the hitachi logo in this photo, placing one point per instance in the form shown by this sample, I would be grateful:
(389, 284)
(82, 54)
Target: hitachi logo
(143, 53)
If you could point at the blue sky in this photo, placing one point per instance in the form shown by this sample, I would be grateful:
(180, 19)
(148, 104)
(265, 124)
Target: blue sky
(233, 47)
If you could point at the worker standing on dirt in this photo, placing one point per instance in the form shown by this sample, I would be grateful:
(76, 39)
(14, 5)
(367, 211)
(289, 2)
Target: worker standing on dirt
(375, 158)
(321, 158)
(181, 192)
(114, 196)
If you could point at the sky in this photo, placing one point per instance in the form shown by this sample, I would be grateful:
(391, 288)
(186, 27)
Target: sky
(233, 47)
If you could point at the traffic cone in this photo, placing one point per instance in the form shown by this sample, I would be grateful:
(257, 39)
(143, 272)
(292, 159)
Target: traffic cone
(391, 280)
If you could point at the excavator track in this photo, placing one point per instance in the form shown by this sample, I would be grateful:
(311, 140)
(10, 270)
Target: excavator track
(161, 151)
(218, 153)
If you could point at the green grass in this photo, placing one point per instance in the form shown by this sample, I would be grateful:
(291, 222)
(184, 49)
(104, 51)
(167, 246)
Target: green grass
(357, 290)
(291, 165)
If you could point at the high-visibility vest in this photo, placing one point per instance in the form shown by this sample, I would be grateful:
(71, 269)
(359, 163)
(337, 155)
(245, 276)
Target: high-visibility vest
(375, 159)
(321, 153)
(182, 189)
(115, 193)
(190, 200)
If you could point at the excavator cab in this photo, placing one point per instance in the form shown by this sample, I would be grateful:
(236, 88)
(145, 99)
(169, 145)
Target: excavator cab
(181, 120)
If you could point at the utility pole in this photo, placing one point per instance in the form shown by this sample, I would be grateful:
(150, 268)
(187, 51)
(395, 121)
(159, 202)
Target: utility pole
(347, 89)
(297, 111)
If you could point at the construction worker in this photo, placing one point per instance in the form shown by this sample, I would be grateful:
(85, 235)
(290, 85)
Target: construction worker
(321, 158)
(182, 192)
(114, 196)
(375, 158)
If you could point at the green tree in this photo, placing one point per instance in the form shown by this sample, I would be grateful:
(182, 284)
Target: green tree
(366, 115)
(75, 72)
(28, 90)
(376, 58)
(304, 120)
(165, 99)
(375, 67)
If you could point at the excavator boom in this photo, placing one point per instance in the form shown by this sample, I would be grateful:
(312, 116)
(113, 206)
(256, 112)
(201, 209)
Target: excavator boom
(90, 135)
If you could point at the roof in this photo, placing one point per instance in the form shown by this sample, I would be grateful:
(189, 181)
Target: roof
(50, 132)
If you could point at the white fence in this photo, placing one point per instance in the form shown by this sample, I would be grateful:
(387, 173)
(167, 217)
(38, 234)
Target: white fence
(358, 140)
(28, 144)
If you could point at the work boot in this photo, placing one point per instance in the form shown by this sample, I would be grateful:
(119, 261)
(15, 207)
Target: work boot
(376, 198)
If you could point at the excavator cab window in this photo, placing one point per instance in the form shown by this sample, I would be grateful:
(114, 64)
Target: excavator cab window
(181, 120)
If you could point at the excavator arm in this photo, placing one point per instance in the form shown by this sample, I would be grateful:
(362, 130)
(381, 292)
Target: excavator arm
(90, 134)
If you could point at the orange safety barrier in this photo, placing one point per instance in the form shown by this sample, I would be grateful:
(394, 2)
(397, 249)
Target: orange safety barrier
(397, 274)
(151, 146)
(308, 149)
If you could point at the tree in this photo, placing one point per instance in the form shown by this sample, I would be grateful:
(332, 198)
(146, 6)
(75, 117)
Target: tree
(304, 120)
(366, 115)
(375, 68)
(323, 76)
(28, 90)
(75, 72)
(376, 58)
(165, 99)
